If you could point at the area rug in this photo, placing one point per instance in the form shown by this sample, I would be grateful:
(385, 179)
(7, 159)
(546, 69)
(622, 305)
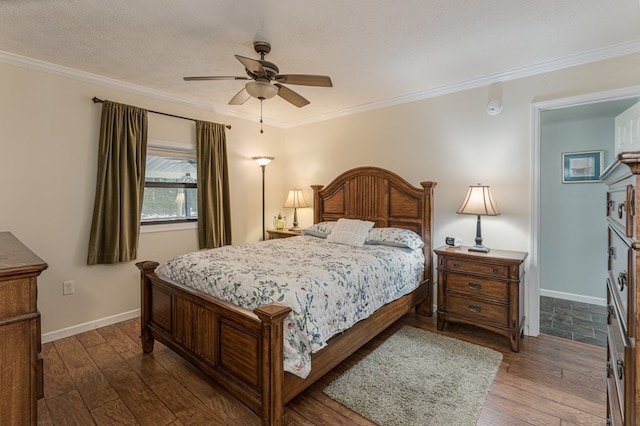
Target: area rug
(419, 378)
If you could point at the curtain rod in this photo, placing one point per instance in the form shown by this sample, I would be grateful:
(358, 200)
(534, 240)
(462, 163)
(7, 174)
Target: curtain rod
(97, 100)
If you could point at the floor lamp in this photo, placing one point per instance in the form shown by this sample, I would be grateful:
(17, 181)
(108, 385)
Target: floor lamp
(262, 161)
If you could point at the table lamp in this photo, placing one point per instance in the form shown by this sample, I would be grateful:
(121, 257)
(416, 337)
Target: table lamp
(295, 200)
(479, 202)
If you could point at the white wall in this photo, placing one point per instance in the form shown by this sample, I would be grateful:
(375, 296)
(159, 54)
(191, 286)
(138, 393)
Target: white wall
(48, 135)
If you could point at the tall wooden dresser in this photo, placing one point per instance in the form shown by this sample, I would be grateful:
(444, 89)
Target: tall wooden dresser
(20, 360)
(623, 385)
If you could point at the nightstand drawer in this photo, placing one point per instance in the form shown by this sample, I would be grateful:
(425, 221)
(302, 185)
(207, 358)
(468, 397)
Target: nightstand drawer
(477, 286)
(477, 267)
(282, 233)
(477, 309)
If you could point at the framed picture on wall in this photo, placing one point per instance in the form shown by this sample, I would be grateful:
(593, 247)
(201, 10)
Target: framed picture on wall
(582, 167)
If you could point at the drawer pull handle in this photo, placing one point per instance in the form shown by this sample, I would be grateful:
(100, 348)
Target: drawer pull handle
(456, 264)
(620, 210)
(610, 205)
(474, 308)
(475, 286)
(612, 252)
(622, 280)
(620, 365)
(611, 313)
(609, 368)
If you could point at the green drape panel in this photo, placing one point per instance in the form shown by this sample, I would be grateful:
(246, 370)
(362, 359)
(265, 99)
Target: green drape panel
(120, 184)
(214, 212)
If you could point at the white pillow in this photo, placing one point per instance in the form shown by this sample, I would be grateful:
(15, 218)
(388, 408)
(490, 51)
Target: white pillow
(350, 232)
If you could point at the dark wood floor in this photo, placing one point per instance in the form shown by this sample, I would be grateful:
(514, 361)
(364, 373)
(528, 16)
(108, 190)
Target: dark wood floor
(102, 377)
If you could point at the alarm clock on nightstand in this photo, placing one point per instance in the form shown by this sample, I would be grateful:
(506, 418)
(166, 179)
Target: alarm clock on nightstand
(453, 241)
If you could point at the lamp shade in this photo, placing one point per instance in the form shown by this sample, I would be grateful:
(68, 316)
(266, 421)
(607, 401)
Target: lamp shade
(261, 89)
(262, 160)
(479, 202)
(295, 199)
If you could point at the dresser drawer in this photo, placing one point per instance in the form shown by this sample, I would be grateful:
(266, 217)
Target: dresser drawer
(616, 370)
(477, 309)
(484, 268)
(620, 208)
(476, 286)
(614, 408)
(18, 297)
(621, 272)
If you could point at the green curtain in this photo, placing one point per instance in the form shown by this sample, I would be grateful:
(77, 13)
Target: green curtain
(120, 184)
(214, 212)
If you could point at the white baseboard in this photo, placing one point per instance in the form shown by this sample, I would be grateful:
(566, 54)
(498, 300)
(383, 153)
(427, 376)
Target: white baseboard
(574, 297)
(87, 326)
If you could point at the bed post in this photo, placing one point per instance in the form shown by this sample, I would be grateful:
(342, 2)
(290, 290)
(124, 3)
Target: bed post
(272, 362)
(426, 308)
(145, 300)
(317, 203)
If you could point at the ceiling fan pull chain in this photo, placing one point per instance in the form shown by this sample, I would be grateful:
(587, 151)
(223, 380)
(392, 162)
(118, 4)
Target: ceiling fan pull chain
(261, 116)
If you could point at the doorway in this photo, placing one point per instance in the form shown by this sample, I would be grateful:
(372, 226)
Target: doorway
(534, 291)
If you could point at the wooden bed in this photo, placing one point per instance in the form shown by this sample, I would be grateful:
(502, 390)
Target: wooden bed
(243, 350)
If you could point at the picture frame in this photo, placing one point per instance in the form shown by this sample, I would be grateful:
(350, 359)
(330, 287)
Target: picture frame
(582, 167)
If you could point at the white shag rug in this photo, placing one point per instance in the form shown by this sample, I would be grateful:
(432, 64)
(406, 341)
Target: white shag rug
(419, 378)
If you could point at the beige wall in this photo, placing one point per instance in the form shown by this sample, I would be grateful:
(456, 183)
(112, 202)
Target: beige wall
(453, 141)
(48, 135)
(48, 139)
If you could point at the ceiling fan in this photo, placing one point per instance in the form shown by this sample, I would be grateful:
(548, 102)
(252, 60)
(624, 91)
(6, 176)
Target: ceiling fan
(262, 73)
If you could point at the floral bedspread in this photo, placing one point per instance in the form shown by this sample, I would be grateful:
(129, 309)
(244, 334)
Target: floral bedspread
(329, 287)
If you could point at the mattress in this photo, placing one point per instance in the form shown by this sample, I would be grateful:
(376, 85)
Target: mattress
(329, 287)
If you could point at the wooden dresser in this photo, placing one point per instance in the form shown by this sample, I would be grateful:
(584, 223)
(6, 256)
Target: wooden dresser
(482, 289)
(20, 360)
(622, 203)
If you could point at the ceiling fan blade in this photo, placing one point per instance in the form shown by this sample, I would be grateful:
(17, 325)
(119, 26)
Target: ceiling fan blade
(291, 96)
(215, 77)
(254, 66)
(240, 98)
(305, 80)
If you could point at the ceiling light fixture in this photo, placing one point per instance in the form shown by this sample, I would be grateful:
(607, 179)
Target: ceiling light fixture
(261, 90)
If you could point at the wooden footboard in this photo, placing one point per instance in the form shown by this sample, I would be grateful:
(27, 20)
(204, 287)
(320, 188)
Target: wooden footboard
(241, 350)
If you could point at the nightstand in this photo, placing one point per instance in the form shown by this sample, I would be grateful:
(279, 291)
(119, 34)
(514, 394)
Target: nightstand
(482, 289)
(282, 233)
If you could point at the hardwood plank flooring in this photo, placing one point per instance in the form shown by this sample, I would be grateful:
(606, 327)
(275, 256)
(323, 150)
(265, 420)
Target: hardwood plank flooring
(101, 377)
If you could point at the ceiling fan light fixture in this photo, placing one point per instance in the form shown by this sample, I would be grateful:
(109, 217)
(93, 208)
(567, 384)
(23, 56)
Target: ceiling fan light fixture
(261, 90)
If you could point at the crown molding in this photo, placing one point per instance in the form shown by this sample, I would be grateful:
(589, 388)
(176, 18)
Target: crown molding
(540, 68)
(86, 77)
(528, 71)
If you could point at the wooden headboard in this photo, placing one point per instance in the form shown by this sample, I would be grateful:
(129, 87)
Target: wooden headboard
(380, 196)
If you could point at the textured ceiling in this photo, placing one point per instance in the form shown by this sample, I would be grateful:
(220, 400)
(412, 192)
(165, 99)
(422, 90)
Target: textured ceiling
(376, 52)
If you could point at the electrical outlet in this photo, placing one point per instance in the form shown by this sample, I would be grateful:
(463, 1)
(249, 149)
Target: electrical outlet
(68, 287)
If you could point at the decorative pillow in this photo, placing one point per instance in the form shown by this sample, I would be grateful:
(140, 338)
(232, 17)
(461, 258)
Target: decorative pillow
(321, 229)
(395, 237)
(350, 232)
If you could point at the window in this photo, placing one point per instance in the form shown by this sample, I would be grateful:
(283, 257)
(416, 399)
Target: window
(170, 189)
